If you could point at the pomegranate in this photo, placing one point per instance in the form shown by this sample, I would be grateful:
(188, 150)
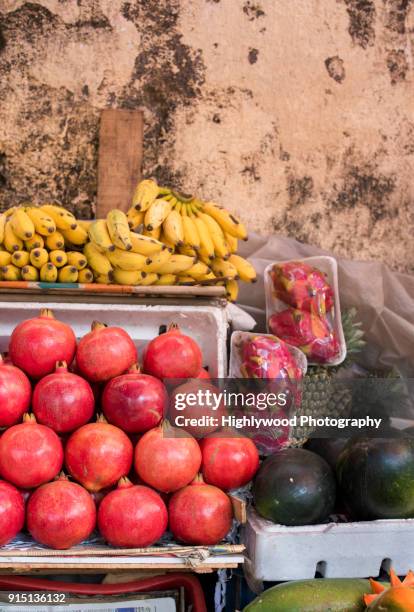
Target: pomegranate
(132, 516)
(105, 352)
(37, 344)
(134, 402)
(167, 458)
(15, 392)
(98, 454)
(229, 461)
(203, 373)
(173, 355)
(63, 401)
(200, 514)
(30, 454)
(196, 408)
(61, 514)
(11, 512)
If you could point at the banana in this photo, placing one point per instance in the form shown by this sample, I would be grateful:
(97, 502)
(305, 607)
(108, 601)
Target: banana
(156, 261)
(128, 277)
(5, 258)
(244, 268)
(68, 274)
(198, 271)
(156, 233)
(10, 211)
(58, 258)
(166, 279)
(38, 257)
(126, 260)
(145, 245)
(2, 224)
(232, 242)
(191, 236)
(223, 268)
(156, 214)
(36, 242)
(55, 241)
(22, 225)
(135, 218)
(186, 250)
(118, 229)
(30, 273)
(99, 263)
(84, 223)
(167, 243)
(77, 259)
(48, 273)
(226, 220)
(10, 241)
(172, 228)
(85, 275)
(99, 234)
(43, 223)
(20, 258)
(76, 236)
(149, 279)
(10, 273)
(64, 220)
(104, 279)
(232, 290)
(206, 242)
(186, 280)
(176, 264)
(217, 236)
(145, 193)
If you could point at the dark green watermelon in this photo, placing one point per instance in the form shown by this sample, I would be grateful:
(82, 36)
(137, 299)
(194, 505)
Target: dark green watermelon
(376, 478)
(294, 487)
(328, 448)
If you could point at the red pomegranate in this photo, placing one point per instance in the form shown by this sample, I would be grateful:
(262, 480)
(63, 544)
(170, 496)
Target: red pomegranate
(229, 461)
(37, 344)
(15, 392)
(189, 401)
(134, 402)
(167, 458)
(200, 514)
(98, 454)
(132, 516)
(173, 355)
(105, 352)
(63, 401)
(61, 514)
(203, 373)
(30, 454)
(11, 512)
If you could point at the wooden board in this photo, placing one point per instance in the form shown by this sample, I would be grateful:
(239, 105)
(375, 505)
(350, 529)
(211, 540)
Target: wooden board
(120, 158)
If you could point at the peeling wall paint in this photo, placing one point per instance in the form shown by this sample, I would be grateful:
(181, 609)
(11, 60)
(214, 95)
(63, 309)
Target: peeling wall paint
(298, 116)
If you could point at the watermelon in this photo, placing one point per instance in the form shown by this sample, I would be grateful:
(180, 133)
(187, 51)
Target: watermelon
(294, 487)
(328, 448)
(376, 478)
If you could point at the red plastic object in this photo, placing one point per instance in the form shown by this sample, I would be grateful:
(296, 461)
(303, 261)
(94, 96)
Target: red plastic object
(193, 591)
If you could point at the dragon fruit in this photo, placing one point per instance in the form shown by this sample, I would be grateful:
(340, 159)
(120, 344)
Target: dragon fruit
(302, 286)
(268, 357)
(312, 334)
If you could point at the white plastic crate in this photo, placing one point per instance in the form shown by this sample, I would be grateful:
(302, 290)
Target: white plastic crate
(335, 550)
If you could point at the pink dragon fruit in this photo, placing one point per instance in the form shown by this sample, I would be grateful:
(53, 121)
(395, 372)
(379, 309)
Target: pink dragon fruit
(268, 357)
(312, 334)
(302, 286)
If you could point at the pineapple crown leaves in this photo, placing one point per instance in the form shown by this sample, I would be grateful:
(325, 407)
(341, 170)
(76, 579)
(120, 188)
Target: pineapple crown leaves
(353, 332)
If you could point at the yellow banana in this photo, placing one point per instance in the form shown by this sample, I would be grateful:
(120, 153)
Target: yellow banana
(99, 263)
(30, 273)
(206, 243)
(145, 245)
(10, 211)
(58, 258)
(191, 236)
(226, 220)
(20, 258)
(244, 268)
(167, 243)
(176, 264)
(223, 268)
(118, 229)
(185, 280)
(76, 236)
(10, 273)
(10, 241)
(5, 258)
(99, 234)
(128, 277)
(2, 224)
(155, 233)
(156, 214)
(145, 193)
(166, 279)
(198, 271)
(22, 225)
(149, 279)
(63, 219)
(85, 276)
(156, 261)
(126, 260)
(38, 257)
(172, 228)
(55, 241)
(68, 274)
(77, 259)
(36, 242)
(84, 223)
(104, 279)
(232, 290)
(186, 250)
(48, 273)
(135, 218)
(43, 223)
(232, 242)
(217, 236)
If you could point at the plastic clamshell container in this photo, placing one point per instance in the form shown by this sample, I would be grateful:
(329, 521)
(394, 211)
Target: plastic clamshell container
(335, 550)
(328, 265)
(238, 338)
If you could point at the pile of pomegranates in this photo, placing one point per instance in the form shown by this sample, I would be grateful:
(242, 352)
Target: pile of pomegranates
(86, 407)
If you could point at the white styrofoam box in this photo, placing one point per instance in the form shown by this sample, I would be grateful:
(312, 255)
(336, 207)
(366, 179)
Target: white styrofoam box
(207, 324)
(328, 265)
(336, 550)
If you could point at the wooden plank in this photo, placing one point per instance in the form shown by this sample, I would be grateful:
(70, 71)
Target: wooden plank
(120, 158)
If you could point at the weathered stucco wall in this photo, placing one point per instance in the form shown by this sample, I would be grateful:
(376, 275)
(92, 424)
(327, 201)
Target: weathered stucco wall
(298, 115)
